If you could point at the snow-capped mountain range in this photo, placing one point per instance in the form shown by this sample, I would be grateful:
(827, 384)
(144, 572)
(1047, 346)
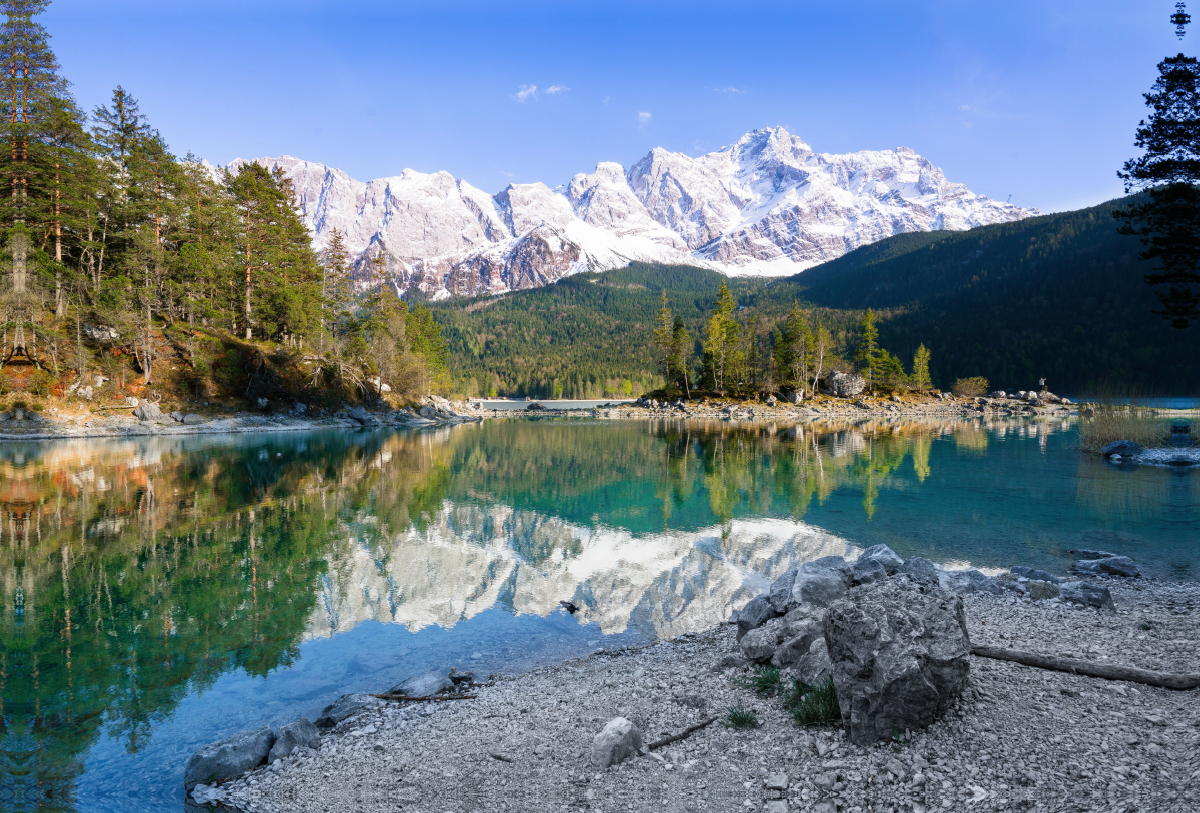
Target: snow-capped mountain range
(765, 205)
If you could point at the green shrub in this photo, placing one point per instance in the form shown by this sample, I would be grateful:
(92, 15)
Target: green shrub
(766, 681)
(970, 387)
(814, 705)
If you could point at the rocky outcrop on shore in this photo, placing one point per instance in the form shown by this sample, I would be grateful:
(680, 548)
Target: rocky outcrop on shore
(832, 406)
(148, 419)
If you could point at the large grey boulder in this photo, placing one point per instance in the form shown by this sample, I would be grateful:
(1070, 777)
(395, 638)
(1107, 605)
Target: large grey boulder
(347, 706)
(299, 734)
(1125, 448)
(425, 685)
(899, 654)
(758, 645)
(970, 580)
(192, 419)
(798, 639)
(229, 758)
(1035, 575)
(147, 411)
(619, 739)
(780, 594)
(845, 385)
(884, 555)
(921, 570)
(818, 589)
(757, 612)
(1112, 566)
(1087, 594)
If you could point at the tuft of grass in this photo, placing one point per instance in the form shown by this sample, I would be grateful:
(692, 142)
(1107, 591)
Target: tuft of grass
(814, 705)
(1121, 414)
(740, 717)
(765, 681)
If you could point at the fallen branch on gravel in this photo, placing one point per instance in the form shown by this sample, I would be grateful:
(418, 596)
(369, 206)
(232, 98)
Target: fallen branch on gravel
(687, 732)
(501, 757)
(431, 697)
(1180, 681)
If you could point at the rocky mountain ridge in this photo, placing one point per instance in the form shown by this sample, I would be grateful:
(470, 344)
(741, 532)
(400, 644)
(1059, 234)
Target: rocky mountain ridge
(767, 205)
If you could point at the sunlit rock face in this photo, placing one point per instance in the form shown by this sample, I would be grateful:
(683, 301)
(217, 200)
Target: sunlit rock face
(470, 558)
(767, 204)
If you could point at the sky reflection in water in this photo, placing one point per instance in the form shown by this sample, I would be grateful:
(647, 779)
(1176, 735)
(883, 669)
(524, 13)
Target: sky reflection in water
(161, 593)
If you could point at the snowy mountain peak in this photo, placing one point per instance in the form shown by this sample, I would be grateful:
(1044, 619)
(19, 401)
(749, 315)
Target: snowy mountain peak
(766, 204)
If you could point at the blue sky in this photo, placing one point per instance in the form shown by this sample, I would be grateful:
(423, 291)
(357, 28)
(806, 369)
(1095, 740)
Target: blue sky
(1037, 100)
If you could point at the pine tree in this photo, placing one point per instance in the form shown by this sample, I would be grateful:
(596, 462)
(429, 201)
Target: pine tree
(1168, 217)
(721, 342)
(31, 83)
(920, 373)
(681, 354)
(795, 352)
(866, 356)
(663, 335)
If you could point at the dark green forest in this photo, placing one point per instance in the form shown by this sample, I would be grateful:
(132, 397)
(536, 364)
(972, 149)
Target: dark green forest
(1060, 296)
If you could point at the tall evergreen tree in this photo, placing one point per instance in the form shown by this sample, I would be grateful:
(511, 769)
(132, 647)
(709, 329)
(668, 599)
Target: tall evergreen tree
(794, 352)
(1168, 217)
(866, 356)
(664, 331)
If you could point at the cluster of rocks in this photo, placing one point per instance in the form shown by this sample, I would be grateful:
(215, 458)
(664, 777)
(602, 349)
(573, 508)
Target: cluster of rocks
(432, 411)
(890, 631)
(1180, 450)
(1032, 397)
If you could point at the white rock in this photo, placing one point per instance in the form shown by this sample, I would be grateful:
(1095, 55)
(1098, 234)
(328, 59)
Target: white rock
(619, 739)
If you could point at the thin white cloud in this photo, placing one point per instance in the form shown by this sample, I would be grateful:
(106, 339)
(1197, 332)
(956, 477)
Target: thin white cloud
(525, 92)
(643, 118)
(730, 90)
(553, 89)
(964, 107)
(508, 174)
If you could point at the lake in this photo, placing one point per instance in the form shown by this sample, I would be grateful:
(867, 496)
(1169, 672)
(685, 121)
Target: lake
(160, 593)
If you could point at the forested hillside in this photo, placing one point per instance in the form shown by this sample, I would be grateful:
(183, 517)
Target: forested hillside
(1059, 296)
(586, 336)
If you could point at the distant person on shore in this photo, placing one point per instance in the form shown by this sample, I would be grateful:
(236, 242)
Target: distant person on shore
(1042, 384)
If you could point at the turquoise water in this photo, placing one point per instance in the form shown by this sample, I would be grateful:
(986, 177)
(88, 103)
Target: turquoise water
(161, 593)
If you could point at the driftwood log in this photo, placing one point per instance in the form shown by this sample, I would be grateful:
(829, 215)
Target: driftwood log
(687, 732)
(1180, 681)
(438, 697)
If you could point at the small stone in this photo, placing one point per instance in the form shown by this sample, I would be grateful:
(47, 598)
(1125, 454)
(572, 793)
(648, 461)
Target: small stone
(776, 806)
(776, 781)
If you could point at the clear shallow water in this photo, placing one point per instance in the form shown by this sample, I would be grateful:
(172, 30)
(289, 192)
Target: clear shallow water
(158, 594)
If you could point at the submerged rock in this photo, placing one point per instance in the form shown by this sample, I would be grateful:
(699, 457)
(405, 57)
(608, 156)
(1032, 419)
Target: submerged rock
(899, 655)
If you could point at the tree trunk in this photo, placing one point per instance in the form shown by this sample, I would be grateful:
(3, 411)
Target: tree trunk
(1180, 681)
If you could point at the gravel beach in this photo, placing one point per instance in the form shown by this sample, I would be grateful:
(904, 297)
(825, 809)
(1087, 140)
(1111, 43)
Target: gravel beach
(1019, 739)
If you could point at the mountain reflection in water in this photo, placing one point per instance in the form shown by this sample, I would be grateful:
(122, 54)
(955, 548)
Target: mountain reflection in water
(144, 576)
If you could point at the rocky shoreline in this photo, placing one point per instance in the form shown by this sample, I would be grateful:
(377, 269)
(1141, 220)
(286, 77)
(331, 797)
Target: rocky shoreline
(148, 419)
(1016, 738)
